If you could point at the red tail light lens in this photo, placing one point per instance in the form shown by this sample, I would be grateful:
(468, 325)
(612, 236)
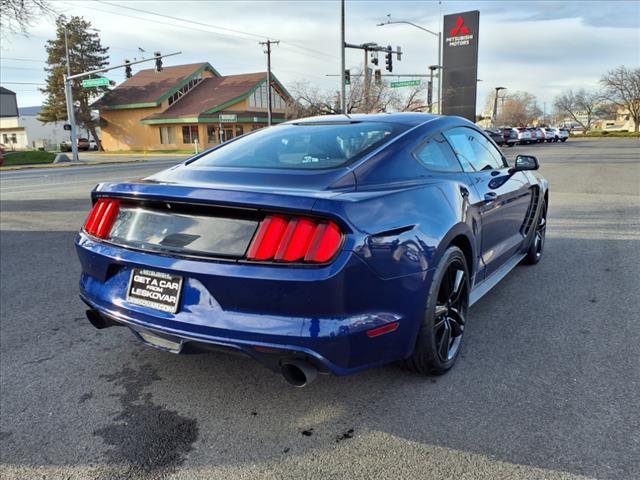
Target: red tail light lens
(102, 217)
(296, 239)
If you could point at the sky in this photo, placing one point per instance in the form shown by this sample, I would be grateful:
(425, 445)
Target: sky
(542, 47)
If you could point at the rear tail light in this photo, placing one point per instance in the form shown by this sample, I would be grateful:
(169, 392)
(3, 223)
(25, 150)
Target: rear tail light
(295, 239)
(102, 217)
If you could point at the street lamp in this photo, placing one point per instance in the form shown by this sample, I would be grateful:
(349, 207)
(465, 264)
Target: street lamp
(494, 117)
(439, 35)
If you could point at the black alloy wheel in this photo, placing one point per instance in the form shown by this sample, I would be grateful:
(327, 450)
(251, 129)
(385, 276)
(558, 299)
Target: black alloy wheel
(534, 254)
(440, 336)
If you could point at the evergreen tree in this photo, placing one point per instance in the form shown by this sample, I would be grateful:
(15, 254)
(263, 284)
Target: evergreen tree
(85, 53)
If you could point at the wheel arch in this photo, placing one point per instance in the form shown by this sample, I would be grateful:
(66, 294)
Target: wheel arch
(460, 236)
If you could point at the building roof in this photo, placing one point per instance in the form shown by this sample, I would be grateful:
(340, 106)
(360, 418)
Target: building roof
(213, 94)
(6, 91)
(149, 88)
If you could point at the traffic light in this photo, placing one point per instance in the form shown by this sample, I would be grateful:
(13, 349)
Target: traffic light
(388, 59)
(158, 61)
(399, 53)
(347, 77)
(378, 76)
(374, 58)
(127, 69)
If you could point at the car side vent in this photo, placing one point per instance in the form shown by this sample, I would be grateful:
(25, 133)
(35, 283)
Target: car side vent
(531, 212)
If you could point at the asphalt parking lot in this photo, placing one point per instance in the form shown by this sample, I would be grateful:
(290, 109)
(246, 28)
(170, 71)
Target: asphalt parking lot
(548, 385)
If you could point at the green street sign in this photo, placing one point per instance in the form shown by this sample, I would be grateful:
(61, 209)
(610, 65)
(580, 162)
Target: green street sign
(95, 82)
(406, 83)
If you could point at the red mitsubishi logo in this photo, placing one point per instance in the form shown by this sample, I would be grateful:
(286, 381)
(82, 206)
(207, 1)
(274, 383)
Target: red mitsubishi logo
(460, 28)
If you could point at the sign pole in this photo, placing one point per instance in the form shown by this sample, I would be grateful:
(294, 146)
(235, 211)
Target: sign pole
(71, 117)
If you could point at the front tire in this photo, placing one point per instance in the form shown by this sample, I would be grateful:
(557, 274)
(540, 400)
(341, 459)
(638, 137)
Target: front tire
(536, 249)
(440, 335)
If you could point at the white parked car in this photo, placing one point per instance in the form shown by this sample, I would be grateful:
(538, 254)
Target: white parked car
(524, 135)
(549, 134)
(561, 134)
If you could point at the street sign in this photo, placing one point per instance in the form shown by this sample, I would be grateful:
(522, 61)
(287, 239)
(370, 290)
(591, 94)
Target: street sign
(228, 118)
(67, 126)
(95, 82)
(406, 83)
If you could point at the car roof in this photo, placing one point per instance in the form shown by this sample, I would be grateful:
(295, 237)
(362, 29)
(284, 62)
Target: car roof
(404, 118)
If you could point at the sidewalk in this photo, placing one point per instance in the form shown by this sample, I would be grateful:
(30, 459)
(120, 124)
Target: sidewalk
(102, 158)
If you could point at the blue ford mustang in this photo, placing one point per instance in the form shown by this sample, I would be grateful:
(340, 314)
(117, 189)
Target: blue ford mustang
(324, 245)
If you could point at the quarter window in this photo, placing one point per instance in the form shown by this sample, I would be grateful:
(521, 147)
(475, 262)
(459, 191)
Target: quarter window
(475, 152)
(436, 155)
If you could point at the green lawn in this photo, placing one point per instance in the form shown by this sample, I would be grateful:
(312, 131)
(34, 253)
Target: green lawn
(27, 158)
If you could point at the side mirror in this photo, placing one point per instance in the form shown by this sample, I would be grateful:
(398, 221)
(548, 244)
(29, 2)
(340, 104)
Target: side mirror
(525, 162)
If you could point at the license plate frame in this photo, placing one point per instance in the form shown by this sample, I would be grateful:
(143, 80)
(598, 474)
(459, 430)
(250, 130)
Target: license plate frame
(156, 290)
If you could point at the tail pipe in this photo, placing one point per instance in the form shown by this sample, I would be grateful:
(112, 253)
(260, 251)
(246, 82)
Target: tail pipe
(100, 321)
(299, 373)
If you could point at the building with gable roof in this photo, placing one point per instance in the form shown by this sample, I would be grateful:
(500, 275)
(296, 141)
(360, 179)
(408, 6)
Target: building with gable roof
(185, 105)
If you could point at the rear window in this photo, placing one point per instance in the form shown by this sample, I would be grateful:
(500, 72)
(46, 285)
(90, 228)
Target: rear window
(303, 146)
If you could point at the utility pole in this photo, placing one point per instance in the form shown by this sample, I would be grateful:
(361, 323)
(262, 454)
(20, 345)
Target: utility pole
(268, 44)
(343, 91)
(71, 116)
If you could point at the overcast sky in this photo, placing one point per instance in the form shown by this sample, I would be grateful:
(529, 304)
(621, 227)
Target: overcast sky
(536, 46)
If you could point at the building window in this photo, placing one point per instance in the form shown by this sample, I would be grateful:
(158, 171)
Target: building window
(5, 138)
(14, 138)
(180, 93)
(190, 134)
(212, 136)
(259, 99)
(228, 134)
(239, 130)
(168, 135)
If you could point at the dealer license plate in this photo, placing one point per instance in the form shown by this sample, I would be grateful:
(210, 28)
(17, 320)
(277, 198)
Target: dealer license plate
(157, 290)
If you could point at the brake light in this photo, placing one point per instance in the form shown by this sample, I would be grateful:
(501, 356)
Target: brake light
(295, 239)
(102, 217)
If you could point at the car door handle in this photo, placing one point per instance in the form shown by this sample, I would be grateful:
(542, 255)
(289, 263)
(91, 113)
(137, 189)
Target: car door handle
(490, 196)
(464, 192)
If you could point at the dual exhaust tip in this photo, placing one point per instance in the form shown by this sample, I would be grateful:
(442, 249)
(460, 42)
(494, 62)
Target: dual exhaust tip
(296, 372)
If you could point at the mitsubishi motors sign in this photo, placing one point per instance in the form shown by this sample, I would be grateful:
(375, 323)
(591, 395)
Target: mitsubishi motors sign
(460, 62)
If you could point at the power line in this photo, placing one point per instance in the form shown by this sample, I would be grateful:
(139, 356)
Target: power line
(216, 27)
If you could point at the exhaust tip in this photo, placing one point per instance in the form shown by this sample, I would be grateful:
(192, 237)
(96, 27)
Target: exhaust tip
(99, 321)
(299, 374)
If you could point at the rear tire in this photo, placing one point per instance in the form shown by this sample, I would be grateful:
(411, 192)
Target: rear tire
(440, 335)
(563, 140)
(536, 249)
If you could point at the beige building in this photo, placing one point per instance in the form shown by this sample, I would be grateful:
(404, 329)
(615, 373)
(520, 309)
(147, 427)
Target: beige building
(186, 105)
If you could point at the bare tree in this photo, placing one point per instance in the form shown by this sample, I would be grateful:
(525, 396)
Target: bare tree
(622, 87)
(519, 109)
(580, 106)
(19, 15)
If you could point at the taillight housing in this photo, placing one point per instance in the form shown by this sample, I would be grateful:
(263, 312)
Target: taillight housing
(102, 217)
(295, 239)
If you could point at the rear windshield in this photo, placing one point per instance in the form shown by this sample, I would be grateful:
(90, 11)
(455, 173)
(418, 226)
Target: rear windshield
(303, 146)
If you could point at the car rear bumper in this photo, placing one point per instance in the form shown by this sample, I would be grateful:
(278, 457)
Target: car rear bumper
(270, 313)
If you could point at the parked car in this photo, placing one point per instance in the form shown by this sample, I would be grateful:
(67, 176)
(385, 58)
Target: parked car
(93, 145)
(509, 135)
(496, 136)
(561, 134)
(83, 144)
(540, 136)
(549, 134)
(534, 135)
(267, 246)
(524, 135)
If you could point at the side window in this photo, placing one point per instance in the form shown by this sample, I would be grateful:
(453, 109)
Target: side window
(474, 151)
(436, 155)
